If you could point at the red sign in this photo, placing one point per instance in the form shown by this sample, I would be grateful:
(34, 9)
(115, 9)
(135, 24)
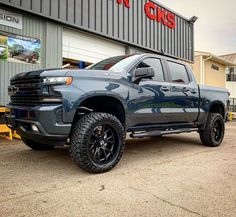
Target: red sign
(156, 13)
(163, 16)
(125, 1)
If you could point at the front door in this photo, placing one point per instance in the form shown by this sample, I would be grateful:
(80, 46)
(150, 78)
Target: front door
(150, 99)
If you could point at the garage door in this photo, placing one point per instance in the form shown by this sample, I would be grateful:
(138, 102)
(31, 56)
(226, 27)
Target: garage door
(84, 47)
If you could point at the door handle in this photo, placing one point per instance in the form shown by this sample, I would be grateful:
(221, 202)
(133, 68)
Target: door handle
(193, 91)
(185, 90)
(165, 89)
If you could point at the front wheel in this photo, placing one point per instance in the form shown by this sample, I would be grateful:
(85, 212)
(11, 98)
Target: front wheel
(27, 60)
(36, 145)
(213, 134)
(97, 142)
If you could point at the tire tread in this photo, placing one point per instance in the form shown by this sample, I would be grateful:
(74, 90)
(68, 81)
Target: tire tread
(205, 135)
(79, 137)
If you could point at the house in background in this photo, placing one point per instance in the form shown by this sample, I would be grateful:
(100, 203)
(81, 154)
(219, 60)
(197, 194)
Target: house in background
(231, 80)
(210, 69)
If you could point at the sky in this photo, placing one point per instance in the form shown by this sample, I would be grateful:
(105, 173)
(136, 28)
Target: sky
(215, 29)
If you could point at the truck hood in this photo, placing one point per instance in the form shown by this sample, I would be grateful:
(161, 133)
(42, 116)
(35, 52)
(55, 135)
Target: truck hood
(73, 73)
(41, 73)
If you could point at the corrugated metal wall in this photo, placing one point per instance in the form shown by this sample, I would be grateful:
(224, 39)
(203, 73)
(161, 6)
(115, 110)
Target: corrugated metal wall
(107, 18)
(50, 35)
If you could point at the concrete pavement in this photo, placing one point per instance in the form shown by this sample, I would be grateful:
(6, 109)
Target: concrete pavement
(169, 176)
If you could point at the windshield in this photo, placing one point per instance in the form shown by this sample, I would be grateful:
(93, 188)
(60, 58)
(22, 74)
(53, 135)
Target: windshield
(118, 63)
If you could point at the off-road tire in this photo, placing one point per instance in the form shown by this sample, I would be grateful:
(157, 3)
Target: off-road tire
(36, 146)
(82, 134)
(207, 135)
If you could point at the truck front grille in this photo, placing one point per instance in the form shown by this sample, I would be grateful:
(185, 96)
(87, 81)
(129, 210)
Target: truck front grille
(25, 81)
(30, 92)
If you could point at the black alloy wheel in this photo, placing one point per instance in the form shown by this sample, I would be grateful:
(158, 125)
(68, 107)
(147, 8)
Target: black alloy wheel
(217, 131)
(97, 142)
(102, 144)
(214, 131)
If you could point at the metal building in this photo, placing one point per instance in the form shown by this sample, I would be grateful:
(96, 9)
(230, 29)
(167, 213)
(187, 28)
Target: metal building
(50, 33)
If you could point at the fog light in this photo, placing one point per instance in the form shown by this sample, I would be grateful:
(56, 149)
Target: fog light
(34, 128)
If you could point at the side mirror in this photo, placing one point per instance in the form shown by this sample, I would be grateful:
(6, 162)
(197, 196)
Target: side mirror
(140, 73)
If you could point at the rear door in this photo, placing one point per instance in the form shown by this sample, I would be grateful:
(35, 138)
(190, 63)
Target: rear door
(184, 93)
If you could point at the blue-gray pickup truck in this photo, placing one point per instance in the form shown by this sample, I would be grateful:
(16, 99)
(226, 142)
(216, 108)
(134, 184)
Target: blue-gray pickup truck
(92, 110)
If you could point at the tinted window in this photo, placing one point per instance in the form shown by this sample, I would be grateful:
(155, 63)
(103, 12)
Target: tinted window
(118, 63)
(178, 73)
(156, 65)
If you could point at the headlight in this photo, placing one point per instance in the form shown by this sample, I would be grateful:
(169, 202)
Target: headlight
(58, 80)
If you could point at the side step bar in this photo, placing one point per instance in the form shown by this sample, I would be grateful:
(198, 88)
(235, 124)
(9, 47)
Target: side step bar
(161, 133)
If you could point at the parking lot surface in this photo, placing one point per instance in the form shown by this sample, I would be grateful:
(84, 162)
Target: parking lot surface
(170, 176)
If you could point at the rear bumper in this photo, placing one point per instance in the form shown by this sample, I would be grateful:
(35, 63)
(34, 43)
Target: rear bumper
(40, 123)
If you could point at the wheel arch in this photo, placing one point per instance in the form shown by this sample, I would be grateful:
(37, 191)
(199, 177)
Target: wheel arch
(217, 107)
(214, 107)
(102, 103)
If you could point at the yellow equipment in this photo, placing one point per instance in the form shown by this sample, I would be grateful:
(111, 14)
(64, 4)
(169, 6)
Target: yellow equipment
(230, 116)
(3, 127)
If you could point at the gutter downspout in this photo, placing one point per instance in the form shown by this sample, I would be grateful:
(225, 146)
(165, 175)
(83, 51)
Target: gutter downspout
(203, 68)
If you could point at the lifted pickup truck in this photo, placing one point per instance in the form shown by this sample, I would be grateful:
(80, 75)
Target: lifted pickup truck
(92, 110)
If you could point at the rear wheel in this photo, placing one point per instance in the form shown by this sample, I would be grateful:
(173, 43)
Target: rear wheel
(213, 134)
(36, 145)
(97, 142)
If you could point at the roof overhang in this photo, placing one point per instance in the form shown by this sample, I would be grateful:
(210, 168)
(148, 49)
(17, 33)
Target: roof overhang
(215, 58)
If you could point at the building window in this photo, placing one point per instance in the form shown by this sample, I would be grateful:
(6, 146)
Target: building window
(215, 67)
(232, 105)
(231, 76)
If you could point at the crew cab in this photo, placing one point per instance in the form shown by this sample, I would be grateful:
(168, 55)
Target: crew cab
(92, 110)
